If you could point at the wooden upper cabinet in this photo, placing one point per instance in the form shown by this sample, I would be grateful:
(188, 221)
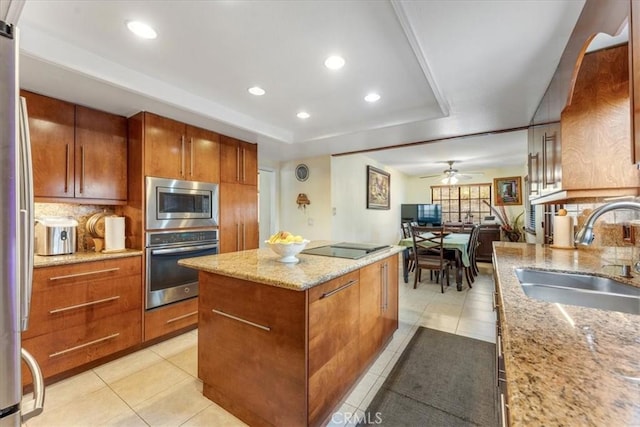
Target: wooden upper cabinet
(238, 161)
(634, 78)
(164, 147)
(596, 125)
(203, 152)
(178, 151)
(77, 152)
(51, 126)
(100, 155)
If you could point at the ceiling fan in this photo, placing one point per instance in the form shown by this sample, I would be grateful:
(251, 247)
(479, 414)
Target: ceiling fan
(451, 176)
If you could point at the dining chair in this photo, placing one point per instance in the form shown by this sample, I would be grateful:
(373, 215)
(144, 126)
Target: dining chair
(406, 233)
(471, 271)
(428, 249)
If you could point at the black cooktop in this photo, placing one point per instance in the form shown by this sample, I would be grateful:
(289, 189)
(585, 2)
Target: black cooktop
(345, 250)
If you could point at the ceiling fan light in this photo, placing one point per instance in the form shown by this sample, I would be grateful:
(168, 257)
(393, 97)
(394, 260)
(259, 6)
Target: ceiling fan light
(450, 180)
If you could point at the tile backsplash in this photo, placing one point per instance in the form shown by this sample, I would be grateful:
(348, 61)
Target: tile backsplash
(80, 213)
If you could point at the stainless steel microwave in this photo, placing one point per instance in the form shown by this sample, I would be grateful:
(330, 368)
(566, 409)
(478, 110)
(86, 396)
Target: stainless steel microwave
(174, 203)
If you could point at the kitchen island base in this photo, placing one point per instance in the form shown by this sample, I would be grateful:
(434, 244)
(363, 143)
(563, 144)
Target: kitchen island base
(277, 356)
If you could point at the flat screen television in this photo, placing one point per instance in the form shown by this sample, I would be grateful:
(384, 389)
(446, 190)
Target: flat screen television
(423, 214)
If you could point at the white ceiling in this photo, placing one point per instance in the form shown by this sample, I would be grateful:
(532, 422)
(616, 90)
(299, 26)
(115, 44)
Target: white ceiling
(443, 68)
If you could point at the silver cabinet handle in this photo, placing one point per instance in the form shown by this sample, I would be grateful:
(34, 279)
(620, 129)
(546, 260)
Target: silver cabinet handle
(38, 386)
(503, 411)
(244, 238)
(88, 273)
(240, 319)
(86, 304)
(66, 169)
(87, 344)
(182, 156)
(81, 169)
(341, 288)
(184, 316)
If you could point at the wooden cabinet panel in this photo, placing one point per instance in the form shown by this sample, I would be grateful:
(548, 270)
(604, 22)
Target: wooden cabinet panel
(634, 78)
(100, 155)
(596, 128)
(77, 152)
(83, 312)
(170, 318)
(72, 295)
(487, 235)
(203, 155)
(334, 337)
(238, 217)
(257, 364)
(178, 151)
(164, 147)
(238, 161)
(52, 130)
(378, 306)
(70, 348)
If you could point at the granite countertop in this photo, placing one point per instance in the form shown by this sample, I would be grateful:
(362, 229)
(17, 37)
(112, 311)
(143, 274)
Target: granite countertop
(262, 266)
(567, 365)
(48, 261)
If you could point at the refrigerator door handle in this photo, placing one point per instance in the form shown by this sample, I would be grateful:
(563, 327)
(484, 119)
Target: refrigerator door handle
(38, 386)
(27, 219)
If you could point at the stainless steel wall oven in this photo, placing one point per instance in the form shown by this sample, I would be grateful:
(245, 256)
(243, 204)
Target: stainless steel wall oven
(166, 281)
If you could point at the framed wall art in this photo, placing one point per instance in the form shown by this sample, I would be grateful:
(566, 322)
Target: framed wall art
(507, 191)
(378, 189)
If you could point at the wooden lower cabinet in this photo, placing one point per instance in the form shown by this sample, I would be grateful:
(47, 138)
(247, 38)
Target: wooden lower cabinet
(276, 356)
(170, 318)
(83, 312)
(487, 235)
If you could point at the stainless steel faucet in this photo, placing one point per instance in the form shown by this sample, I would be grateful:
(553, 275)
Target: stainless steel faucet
(585, 235)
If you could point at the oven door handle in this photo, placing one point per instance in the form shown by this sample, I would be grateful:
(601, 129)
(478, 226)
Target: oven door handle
(182, 249)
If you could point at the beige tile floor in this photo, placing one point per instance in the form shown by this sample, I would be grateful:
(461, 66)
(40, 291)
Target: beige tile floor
(158, 386)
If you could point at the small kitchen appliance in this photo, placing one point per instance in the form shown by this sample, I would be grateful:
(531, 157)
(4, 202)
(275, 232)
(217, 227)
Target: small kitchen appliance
(55, 235)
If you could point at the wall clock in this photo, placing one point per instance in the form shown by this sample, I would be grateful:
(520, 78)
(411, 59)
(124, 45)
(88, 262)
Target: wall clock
(302, 172)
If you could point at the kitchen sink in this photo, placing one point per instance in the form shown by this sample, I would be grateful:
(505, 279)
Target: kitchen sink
(580, 289)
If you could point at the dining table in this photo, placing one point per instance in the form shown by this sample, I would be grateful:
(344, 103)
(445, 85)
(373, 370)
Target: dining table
(457, 242)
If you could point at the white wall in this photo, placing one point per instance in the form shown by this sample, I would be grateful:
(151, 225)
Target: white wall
(314, 221)
(352, 220)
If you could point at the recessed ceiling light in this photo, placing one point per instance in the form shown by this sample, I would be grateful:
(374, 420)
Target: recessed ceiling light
(257, 91)
(141, 29)
(334, 62)
(303, 115)
(372, 97)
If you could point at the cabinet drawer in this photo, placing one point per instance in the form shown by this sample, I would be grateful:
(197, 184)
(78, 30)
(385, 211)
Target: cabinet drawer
(64, 299)
(66, 349)
(174, 317)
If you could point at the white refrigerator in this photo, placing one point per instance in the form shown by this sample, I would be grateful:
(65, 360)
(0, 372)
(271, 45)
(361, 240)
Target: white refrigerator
(16, 239)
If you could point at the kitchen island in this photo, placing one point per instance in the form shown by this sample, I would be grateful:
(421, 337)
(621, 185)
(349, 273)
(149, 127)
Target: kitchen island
(282, 344)
(565, 364)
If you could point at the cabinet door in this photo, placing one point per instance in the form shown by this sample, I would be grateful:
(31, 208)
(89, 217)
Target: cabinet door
(203, 155)
(249, 163)
(390, 297)
(371, 305)
(333, 342)
(238, 161)
(100, 155)
(51, 126)
(238, 217)
(230, 217)
(164, 147)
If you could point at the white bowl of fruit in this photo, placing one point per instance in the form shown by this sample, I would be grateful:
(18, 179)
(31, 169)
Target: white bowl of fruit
(287, 245)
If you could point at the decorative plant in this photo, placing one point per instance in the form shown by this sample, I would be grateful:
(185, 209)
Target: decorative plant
(511, 229)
